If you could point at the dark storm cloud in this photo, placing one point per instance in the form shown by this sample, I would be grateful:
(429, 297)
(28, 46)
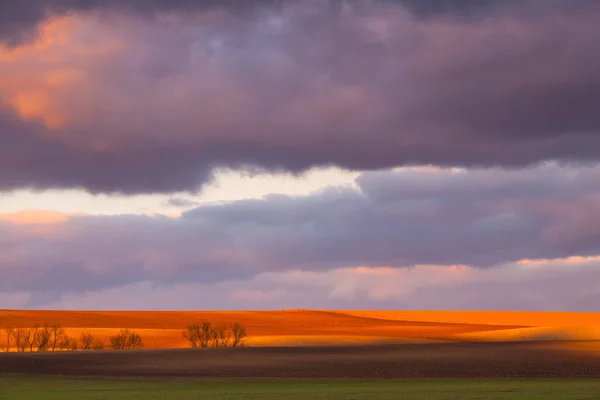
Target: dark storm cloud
(136, 102)
(481, 218)
(28, 159)
(19, 18)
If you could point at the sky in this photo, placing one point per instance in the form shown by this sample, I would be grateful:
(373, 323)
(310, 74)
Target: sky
(329, 154)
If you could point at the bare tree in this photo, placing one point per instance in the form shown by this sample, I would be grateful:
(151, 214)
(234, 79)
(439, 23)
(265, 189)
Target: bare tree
(97, 345)
(134, 341)
(32, 337)
(239, 334)
(66, 342)
(8, 335)
(200, 335)
(21, 338)
(86, 339)
(192, 335)
(90, 342)
(41, 338)
(119, 341)
(51, 338)
(214, 337)
(72, 344)
(58, 337)
(206, 334)
(125, 340)
(221, 336)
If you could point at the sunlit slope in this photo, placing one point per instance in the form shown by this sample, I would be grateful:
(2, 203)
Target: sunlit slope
(536, 333)
(162, 329)
(523, 318)
(534, 325)
(296, 322)
(299, 327)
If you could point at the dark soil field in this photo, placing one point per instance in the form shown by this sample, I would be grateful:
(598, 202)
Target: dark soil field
(445, 360)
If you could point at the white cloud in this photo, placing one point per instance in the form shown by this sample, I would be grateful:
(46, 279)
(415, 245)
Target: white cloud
(228, 185)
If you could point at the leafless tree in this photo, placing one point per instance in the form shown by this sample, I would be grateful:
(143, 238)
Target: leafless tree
(58, 338)
(134, 341)
(199, 335)
(119, 341)
(21, 338)
(42, 337)
(125, 340)
(222, 336)
(214, 337)
(206, 334)
(52, 338)
(66, 342)
(192, 335)
(86, 339)
(239, 334)
(73, 344)
(8, 330)
(97, 344)
(32, 337)
(90, 342)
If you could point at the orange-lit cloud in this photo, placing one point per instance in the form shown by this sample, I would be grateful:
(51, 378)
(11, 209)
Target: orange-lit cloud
(374, 271)
(573, 260)
(39, 73)
(36, 217)
(179, 90)
(59, 38)
(36, 105)
(53, 33)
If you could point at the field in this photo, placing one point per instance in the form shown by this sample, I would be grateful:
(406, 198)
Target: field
(310, 327)
(317, 355)
(97, 389)
(539, 360)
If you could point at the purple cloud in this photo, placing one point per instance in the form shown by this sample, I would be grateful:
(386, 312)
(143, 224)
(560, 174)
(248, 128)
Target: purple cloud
(550, 286)
(135, 100)
(480, 218)
(181, 203)
(18, 20)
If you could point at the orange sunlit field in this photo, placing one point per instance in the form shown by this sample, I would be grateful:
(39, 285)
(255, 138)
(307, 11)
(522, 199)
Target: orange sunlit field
(308, 327)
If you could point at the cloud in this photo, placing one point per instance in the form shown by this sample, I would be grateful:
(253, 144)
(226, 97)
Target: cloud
(395, 219)
(553, 285)
(18, 20)
(34, 217)
(182, 203)
(150, 97)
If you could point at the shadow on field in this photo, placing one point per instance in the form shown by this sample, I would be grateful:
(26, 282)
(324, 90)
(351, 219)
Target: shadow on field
(445, 360)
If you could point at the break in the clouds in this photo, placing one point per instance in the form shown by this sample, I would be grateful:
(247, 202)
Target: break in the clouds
(480, 219)
(151, 96)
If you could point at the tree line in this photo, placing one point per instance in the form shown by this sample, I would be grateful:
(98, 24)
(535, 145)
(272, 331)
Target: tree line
(54, 338)
(208, 335)
(49, 337)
